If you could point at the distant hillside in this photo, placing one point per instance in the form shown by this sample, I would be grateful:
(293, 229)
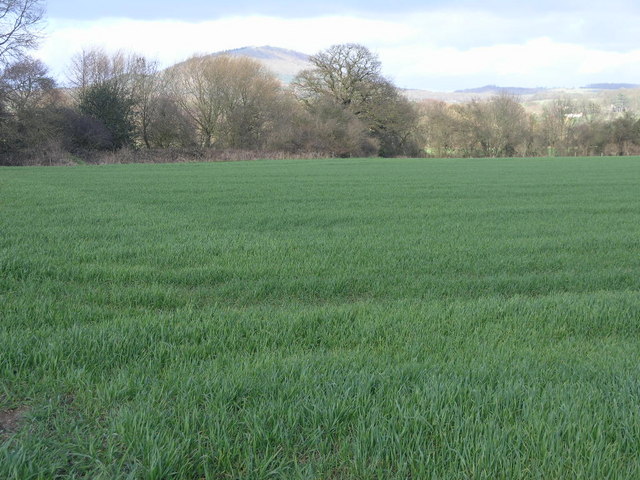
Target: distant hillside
(494, 89)
(286, 64)
(482, 93)
(610, 86)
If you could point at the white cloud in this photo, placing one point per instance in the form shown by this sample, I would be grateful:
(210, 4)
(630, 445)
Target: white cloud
(171, 41)
(439, 50)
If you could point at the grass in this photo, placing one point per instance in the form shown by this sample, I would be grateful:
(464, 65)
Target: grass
(336, 319)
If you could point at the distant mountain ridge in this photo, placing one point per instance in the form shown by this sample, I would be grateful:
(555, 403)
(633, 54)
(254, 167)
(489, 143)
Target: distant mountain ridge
(494, 89)
(286, 64)
(610, 86)
(508, 90)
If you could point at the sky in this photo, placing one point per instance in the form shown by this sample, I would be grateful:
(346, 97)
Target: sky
(433, 45)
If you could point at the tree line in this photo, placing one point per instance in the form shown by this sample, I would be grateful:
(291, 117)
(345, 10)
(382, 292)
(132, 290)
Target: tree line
(341, 107)
(502, 127)
(124, 104)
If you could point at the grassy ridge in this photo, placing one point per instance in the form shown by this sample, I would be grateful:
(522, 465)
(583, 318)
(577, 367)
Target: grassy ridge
(322, 319)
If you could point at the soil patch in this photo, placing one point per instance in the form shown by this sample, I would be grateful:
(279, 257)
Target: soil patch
(11, 420)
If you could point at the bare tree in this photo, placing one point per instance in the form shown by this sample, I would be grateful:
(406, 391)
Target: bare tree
(145, 91)
(347, 73)
(496, 127)
(509, 126)
(624, 131)
(437, 124)
(130, 79)
(25, 84)
(555, 122)
(253, 94)
(350, 76)
(95, 66)
(195, 86)
(19, 27)
(29, 127)
(103, 85)
(169, 126)
(229, 100)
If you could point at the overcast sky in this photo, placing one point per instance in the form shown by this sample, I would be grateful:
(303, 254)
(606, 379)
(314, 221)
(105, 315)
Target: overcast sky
(434, 44)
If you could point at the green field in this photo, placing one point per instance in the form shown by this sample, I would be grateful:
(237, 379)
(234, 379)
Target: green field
(332, 319)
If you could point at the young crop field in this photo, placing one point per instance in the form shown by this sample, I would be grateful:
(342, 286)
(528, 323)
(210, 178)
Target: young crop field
(327, 319)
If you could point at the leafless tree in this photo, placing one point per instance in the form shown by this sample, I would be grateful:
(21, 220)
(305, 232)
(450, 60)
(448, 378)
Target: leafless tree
(169, 126)
(145, 91)
(95, 66)
(347, 73)
(19, 27)
(496, 127)
(195, 86)
(350, 76)
(131, 78)
(228, 99)
(508, 124)
(437, 124)
(25, 84)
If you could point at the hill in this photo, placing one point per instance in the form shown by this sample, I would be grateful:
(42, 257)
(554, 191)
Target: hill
(284, 63)
(611, 86)
(494, 89)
